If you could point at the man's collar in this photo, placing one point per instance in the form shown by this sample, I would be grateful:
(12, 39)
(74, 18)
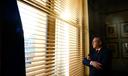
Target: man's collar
(98, 49)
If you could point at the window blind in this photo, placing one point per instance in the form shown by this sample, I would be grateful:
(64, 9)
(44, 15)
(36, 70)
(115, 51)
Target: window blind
(68, 53)
(62, 48)
(35, 33)
(51, 32)
(75, 61)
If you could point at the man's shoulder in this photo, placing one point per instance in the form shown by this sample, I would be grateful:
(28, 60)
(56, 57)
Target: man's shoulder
(107, 50)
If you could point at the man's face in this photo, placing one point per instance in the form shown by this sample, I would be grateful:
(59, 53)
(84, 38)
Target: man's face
(96, 43)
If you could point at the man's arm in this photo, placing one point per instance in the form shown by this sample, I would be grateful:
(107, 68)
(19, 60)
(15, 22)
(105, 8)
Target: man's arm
(94, 64)
(89, 61)
(86, 62)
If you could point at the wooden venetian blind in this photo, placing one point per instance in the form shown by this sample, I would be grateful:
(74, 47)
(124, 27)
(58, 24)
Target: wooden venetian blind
(68, 54)
(38, 59)
(51, 35)
(62, 48)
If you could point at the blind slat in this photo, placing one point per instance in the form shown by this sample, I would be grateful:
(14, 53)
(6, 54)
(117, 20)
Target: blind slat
(32, 69)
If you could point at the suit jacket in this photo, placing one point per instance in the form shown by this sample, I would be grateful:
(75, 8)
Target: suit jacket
(103, 57)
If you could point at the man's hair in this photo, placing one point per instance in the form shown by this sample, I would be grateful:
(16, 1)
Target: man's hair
(100, 38)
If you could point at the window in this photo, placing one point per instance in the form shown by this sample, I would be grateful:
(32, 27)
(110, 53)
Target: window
(68, 60)
(35, 32)
(51, 32)
(62, 48)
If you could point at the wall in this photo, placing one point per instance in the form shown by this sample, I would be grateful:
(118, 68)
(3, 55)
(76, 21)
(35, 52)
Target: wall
(96, 21)
(120, 62)
(103, 14)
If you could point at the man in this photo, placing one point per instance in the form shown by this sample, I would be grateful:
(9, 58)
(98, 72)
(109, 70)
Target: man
(99, 59)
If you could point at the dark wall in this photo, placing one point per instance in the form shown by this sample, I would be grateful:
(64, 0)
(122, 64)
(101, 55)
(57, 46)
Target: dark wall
(119, 20)
(113, 13)
(96, 21)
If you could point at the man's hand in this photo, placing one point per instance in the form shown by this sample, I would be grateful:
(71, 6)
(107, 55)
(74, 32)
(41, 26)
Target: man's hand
(96, 64)
(88, 57)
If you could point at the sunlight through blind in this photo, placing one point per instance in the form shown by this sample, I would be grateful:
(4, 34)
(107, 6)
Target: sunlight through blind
(62, 48)
(67, 53)
(68, 56)
(35, 32)
(51, 32)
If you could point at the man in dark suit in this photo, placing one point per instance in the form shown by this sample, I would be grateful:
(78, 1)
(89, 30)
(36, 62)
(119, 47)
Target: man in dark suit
(99, 59)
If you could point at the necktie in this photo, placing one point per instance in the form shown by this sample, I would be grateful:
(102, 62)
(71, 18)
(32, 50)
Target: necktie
(97, 51)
